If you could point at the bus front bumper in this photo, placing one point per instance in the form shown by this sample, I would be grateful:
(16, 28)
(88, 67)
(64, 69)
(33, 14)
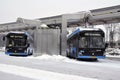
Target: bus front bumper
(19, 54)
(91, 57)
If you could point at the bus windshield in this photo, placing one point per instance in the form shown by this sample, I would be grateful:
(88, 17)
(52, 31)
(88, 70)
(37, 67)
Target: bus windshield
(16, 42)
(91, 42)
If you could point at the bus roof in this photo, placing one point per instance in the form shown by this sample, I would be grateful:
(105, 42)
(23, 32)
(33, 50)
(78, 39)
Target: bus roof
(17, 32)
(77, 30)
(20, 32)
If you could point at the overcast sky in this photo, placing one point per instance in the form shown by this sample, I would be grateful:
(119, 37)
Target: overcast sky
(10, 10)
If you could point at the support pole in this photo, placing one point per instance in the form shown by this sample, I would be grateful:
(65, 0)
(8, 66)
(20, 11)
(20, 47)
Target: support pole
(63, 34)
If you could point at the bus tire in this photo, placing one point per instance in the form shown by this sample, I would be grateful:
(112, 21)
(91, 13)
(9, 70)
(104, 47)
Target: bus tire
(95, 59)
(31, 52)
(28, 52)
(67, 54)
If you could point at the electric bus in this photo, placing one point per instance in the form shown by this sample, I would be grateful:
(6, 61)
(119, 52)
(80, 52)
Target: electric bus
(86, 43)
(18, 43)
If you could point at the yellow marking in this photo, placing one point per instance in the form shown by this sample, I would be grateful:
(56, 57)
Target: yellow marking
(93, 56)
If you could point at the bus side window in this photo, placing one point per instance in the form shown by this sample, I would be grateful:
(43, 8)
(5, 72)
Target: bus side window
(71, 45)
(82, 42)
(74, 42)
(10, 42)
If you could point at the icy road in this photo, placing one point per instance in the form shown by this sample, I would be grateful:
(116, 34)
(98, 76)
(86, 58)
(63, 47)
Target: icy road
(54, 67)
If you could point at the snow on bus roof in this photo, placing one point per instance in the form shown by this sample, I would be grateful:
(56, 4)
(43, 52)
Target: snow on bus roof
(16, 32)
(6, 33)
(20, 32)
(78, 29)
(89, 29)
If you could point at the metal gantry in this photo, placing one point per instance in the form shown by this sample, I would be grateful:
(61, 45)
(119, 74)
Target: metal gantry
(93, 17)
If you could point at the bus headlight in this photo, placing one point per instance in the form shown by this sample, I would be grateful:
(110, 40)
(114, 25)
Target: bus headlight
(80, 53)
(25, 51)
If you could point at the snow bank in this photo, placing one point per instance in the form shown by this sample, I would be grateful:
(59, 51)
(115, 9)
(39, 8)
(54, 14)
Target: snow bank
(2, 48)
(49, 57)
(59, 58)
(113, 52)
(39, 74)
(113, 56)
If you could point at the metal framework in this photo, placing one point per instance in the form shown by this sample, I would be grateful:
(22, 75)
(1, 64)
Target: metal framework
(94, 17)
(98, 16)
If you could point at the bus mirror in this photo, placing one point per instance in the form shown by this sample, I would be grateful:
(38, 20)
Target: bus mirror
(28, 45)
(3, 38)
(106, 45)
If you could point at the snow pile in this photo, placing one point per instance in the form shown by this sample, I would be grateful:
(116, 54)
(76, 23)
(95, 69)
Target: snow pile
(64, 59)
(113, 51)
(2, 48)
(58, 58)
(70, 30)
(50, 57)
(39, 74)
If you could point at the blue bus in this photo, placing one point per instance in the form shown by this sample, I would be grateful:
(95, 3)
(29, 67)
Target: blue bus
(86, 43)
(18, 43)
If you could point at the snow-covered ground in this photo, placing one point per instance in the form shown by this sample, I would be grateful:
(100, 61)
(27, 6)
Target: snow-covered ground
(59, 58)
(113, 56)
(39, 74)
(57, 67)
(2, 49)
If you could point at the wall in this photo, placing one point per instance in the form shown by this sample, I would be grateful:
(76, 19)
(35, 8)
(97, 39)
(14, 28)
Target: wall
(47, 41)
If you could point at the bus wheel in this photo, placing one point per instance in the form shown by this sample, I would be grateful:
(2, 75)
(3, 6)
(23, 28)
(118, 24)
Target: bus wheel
(31, 52)
(28, 52)
(67, 54)
(95, 59)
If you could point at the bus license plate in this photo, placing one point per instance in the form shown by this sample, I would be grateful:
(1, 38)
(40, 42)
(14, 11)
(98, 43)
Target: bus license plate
(93, 57)
(15, 53)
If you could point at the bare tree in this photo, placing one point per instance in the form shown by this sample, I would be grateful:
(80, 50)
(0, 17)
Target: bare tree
(113, 31)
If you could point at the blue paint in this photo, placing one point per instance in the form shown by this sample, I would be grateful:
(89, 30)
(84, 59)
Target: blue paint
(11, 53)
(74, 49)
(29, 36)
(98, 57)
(73, 33)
